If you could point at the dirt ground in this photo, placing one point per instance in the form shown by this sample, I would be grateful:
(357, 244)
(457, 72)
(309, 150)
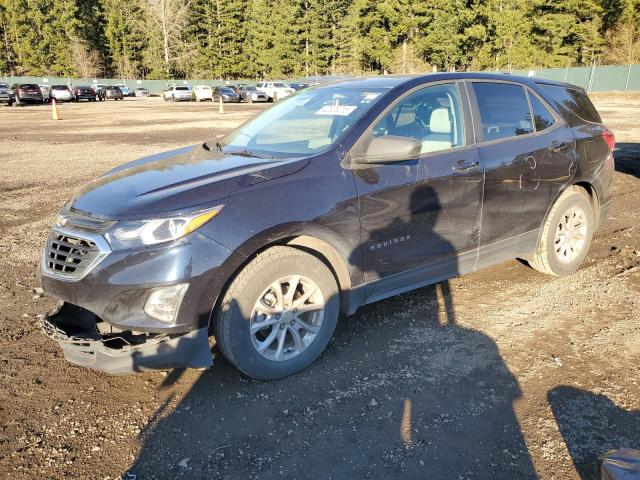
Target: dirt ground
(523, 376)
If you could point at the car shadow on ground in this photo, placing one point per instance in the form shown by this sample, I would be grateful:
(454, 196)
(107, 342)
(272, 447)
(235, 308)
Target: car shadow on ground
(403, 391)
(627, 158)
(591, 424)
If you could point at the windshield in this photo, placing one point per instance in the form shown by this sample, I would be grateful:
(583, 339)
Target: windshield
(226, 90)
(279, 85)
(182, 88)
(59, 87)
(303, 124)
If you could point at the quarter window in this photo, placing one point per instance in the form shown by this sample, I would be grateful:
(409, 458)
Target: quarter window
(504, 110)
(431, 115)
(542, 117)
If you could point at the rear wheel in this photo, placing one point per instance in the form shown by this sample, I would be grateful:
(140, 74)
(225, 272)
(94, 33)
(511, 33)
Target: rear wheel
(278, 314)
(566, 234)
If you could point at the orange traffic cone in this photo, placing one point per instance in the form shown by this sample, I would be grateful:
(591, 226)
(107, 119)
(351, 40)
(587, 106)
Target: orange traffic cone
(221, 108)
(55, 115)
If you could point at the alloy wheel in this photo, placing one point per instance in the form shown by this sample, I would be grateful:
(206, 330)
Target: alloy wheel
(571, 235)
(287, 317)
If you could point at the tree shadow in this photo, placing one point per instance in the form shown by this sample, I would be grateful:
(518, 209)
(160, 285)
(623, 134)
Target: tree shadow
(627, 158)
(591, 424)
(402, 391)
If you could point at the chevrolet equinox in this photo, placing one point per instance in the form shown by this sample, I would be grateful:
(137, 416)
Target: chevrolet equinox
(336, 197)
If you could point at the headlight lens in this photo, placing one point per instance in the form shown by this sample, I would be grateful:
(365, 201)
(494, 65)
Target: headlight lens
(131, 234)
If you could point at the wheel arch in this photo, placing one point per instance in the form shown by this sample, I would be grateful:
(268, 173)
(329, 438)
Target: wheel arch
(583, 185)
(317, 241)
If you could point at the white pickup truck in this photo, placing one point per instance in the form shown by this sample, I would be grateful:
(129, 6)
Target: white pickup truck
(275, 90)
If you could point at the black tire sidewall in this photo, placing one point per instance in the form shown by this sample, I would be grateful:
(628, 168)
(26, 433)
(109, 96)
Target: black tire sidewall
(574, 200)
(235, 320)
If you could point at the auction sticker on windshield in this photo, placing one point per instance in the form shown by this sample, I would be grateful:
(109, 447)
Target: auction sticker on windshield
(340, 110)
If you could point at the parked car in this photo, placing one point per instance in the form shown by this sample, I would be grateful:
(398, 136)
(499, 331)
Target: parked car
(61, 93)
(298, 86)
(250, 94)
(27, 93)
(112, 92)
(124, 89)
(341, 196)
(6, 94)
(142, 92)
(178, 93)
(84, 92)
(99, 89)
(227, 94)
(202, 93)
(275, 90)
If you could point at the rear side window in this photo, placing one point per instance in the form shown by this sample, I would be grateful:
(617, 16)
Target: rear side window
(504, 110)
(576, 101)
(542, 117)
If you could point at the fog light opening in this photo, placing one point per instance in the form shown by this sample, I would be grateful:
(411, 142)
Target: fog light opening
(164, 302)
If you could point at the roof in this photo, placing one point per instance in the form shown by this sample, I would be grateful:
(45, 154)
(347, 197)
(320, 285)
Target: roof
(392, 81)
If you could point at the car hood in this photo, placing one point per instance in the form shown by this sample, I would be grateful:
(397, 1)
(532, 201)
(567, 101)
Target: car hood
(175, 182)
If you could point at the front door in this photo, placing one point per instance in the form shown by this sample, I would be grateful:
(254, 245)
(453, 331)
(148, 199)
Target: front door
(419, 218)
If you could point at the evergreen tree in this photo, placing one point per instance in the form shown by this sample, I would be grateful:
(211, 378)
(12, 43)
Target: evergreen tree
(125, 37)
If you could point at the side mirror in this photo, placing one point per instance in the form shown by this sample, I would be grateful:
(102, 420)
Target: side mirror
(390, 149)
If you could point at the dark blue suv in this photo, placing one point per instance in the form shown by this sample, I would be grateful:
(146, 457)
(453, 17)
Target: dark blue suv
(338, 196)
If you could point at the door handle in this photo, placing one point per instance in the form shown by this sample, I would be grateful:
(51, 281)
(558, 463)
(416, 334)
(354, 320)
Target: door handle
(557, 146)
(465, 166)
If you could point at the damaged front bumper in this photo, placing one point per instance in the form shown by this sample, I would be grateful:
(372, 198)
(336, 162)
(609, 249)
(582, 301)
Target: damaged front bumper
(89, 342)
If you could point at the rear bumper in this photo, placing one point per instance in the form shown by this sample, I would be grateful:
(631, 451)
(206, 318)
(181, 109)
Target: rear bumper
(78, 334)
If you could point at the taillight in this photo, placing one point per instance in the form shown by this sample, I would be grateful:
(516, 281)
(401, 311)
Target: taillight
(610, 139)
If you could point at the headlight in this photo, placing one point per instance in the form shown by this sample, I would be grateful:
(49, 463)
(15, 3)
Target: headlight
(131, 234)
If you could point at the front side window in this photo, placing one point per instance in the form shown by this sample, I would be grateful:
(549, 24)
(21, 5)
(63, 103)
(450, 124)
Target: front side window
(542, 117)
(303, 124)
(431, 115)
(504, 110)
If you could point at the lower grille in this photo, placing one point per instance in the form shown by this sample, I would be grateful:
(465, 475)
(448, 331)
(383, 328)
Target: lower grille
(69, 255)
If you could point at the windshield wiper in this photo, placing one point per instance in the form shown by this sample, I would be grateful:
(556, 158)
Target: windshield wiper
(248, 153)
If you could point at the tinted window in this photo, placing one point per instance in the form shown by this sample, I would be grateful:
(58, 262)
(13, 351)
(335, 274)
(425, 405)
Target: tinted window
(542, 117)
(504, 110)
(29, 85)
(431, 115)
(182, 88)
(576, 101)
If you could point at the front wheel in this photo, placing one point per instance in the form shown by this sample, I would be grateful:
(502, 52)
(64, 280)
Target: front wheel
(566, 234)
(278, 314)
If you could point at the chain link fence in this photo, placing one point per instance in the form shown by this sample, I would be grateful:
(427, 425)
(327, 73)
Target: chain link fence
(606, 78)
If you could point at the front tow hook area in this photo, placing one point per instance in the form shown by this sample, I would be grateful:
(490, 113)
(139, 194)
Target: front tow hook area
(89, 342)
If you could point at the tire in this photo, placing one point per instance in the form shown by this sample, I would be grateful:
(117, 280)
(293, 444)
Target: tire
(549, 257)
(236, 314)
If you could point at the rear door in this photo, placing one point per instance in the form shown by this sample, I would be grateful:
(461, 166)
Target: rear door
(528, 155)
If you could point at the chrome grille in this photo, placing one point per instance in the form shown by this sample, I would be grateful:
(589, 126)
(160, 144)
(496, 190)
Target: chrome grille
(70, 255)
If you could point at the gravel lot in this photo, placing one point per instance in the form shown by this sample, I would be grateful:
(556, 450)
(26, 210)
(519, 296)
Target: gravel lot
(504, 373)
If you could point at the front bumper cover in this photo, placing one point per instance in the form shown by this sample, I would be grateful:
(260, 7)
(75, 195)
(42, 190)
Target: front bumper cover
(76, 330)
